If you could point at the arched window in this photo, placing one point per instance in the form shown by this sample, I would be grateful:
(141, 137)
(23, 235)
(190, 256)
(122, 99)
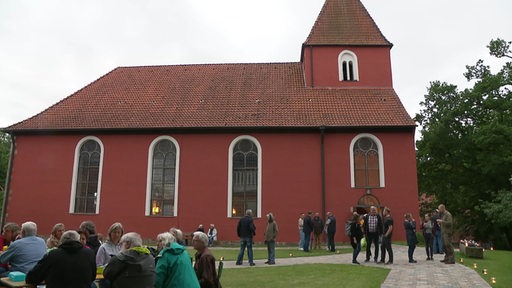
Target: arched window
(367, 165)
(244, 177)
(161, 194)
(87, 176)
(347, 66)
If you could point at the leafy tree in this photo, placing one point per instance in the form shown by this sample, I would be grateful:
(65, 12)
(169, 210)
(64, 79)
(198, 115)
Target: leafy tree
(5, 146)
(465, 151)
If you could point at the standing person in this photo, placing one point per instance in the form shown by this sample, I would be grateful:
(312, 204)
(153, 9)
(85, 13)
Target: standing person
(246, 230)
(301, 231)
(318, 228)
(330, 227)
(23, 254)
(174, 268)
(212, 235)
(204, 264)
(436, 232)
(372, 232)
(386, 237)
(133, 267)
(446, 223)
(69, 265)
(427, 227)
(308, 228)
(270, 239)
(112, 246)
(54, 239)
(356, 234)
(410, 235)
(92, 238)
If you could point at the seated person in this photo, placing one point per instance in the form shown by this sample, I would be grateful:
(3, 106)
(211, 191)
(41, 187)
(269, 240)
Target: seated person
(54, 239)
(23, 254)
(212, 235)
(92, 238)
(69, 265)
(162, 240)
(9, 233)
(133, 266)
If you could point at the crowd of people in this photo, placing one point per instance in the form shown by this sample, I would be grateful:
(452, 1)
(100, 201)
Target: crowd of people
(75, 258)
(377, 229)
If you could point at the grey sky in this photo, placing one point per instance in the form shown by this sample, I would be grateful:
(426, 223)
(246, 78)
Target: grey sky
(50, 49)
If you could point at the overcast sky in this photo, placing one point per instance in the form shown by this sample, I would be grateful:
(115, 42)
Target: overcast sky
(50, 49)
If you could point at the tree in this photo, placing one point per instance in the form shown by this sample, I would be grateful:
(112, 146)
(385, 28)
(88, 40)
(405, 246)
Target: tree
(5, 147)
(465, 151)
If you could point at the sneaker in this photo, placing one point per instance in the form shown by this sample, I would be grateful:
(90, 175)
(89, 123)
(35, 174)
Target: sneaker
(367, 260)
(238, 263)
(413, 261)
(382, 262)
(271, 263)
(252, 264)
(389, 262)
(266, 262)
(428, 258)
(355, 262)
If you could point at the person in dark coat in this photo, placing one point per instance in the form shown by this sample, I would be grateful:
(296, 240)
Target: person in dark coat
(69, 265)
(318, 228)
(204, 264)
(356, 233)
(410, 235)
(331, 231)
(93, 241)
(308, 228)
(246, 230)
(133, 267)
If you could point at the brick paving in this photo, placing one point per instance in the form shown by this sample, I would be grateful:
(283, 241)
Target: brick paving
(402, 274)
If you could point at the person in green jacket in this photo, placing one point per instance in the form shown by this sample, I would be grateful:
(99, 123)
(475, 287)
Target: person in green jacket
(174, 268)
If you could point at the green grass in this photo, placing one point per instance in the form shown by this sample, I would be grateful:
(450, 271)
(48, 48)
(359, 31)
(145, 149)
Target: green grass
(309, 275)
(497, 263)
(230, 254)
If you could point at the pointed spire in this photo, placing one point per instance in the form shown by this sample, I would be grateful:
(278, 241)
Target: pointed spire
(345, 22)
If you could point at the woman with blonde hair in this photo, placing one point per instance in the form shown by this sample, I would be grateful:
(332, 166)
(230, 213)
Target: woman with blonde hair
(54, 240)
(111, 246)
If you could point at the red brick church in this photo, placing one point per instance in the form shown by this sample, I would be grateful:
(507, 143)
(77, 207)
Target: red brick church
(154, 147)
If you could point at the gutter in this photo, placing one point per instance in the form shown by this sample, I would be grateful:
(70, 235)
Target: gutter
(322, 164)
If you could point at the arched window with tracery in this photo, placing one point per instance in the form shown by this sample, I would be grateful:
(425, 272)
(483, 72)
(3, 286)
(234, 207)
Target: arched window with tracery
(244, 177)
(367, 162)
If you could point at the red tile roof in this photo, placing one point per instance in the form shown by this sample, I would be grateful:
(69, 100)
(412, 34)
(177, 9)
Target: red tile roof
(217, 96)
(345, 22)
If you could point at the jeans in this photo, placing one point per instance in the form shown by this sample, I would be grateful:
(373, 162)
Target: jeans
(410, 252)
(271, 250)
(301, 242)
(386, 246)
(245, 242)
(307, 239)
(429, 245)
(372, 237)
(357, 249)
(438, 243)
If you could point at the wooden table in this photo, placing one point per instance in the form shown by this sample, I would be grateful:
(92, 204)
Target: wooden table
(9, 283)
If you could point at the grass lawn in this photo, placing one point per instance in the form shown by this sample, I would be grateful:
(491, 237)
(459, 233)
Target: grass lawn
(310, 275)
(259, 253)
(497, 263)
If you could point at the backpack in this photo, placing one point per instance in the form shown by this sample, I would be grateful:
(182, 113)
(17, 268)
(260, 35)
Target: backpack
(347, 228)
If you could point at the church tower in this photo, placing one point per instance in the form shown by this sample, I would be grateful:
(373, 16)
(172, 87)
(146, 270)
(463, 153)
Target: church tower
(345, 48)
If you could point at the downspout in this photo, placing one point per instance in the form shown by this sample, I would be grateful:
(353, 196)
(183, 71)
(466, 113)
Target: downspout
(8, 181)
(322, 169)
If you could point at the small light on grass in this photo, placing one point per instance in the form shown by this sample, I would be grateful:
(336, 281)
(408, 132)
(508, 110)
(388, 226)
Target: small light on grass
(221, 258)
(493, 280)
(484, 271)
(291, 254)
(475, 265)
(492, 248)
(461, 260)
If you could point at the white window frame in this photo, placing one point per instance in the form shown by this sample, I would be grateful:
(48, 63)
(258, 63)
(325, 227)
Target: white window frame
(349, 56)
(150, 175)
(381, 159)
(75, 174)
(230, 174)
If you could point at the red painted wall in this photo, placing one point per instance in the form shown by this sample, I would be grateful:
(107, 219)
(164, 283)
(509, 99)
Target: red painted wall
(291, 181)
(374, 66)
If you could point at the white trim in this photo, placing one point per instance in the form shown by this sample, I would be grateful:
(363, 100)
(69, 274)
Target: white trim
(381, 159)
(75, 173)
(150, 174)
(230, 173)
(347, 55)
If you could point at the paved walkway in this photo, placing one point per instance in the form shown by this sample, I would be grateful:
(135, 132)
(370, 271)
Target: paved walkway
(403, 274)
